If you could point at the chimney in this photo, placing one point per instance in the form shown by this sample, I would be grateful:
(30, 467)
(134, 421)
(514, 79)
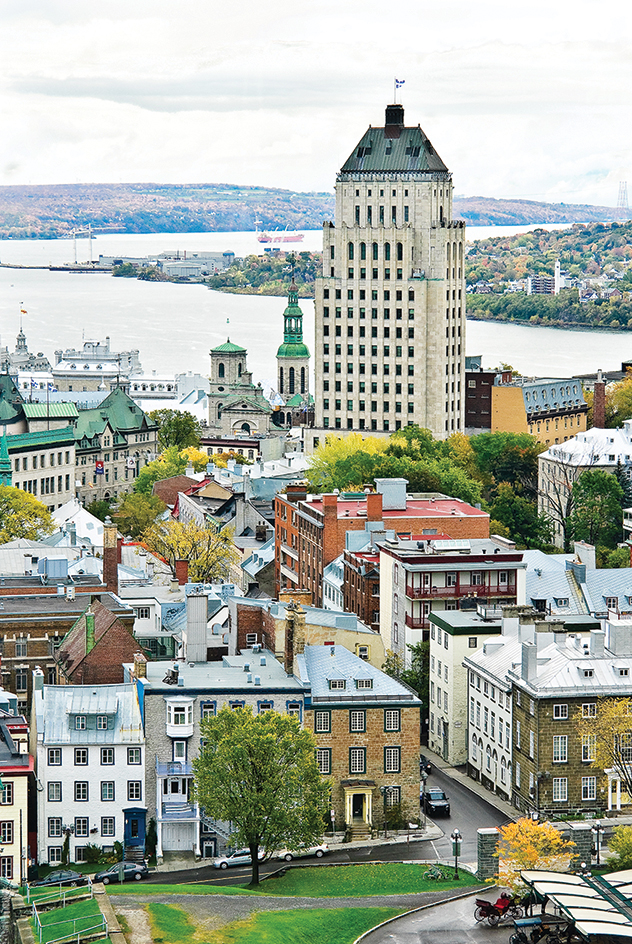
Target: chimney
(330, 505)
(597, 643)
(38, 680)
(599, 403)
(119, 549)
(373, 506)
(393, 491)
(71, 527)
(529, 661)
(182, 571)
(140, 665)
(194, 636)
(90, 640)
(110, 556)
(393, 121)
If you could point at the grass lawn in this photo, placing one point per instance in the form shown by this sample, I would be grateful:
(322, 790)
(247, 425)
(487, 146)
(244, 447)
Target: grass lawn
(170, 924)
(309, 926)
(349, 881)
(62, 922)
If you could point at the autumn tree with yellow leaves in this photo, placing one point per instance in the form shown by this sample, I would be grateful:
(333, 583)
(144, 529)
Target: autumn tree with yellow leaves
(209, 551)
(606, 737)
(526, 845)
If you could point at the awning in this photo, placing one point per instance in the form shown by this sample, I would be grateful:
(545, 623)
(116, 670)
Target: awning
(599, 907)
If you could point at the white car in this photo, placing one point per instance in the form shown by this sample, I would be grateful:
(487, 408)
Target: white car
(239, 857)
(288, 854)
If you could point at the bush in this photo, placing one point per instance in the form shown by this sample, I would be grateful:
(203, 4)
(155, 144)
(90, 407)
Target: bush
(93, 853)
(621, 844)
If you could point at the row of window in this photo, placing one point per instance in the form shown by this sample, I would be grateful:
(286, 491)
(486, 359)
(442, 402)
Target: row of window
(40, 461)
(82, 756)
(386, 331)
(560, 787)
(46, 485)
(362, 408)
(357, 760)
(81, 826)
(357, 718)
(374, 294)
(82, 790)
(489, 723)
(435, 631)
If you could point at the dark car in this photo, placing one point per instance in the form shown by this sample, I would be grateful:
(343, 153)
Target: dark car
(424, 764)
(132, 871)
(435, 801)
(62, 877)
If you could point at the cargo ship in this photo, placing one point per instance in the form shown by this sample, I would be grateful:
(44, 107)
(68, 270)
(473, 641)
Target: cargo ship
(279, 235)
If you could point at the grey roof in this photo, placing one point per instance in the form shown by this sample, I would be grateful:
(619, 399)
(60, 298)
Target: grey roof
(406, 150)
(561, 667)
(544, 396)
(259, 558)
(558, 589)
(55, 705)
(313, 614)
(317, 665)
(226, 677)
(601, 584)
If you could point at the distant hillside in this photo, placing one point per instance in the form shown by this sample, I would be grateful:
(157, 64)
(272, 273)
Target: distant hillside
(50, 211)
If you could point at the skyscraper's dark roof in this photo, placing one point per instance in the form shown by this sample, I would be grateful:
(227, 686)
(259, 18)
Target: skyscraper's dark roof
(394, 149)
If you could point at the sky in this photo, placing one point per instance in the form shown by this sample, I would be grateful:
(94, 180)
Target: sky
(521, 100)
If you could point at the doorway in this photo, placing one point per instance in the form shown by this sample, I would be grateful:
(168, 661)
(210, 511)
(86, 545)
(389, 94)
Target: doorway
(357, 806)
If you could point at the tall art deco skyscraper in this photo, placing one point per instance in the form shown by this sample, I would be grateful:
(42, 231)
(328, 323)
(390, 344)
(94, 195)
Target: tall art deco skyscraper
(390, 307)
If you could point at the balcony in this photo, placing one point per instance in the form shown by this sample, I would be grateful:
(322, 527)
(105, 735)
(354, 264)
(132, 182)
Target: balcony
(179, 811)
(174, 768)
(417, 622)
(461, 590)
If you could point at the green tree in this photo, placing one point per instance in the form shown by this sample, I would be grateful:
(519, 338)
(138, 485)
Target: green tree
(210, 551)
(597, 514)
(176, 428)
(608, 735)
(137, 512)
(170, 463)
(508, 457)
(520, 517)
(22, 516)
(620, 843)
(259, 773)
(100, 508)
(417, 676)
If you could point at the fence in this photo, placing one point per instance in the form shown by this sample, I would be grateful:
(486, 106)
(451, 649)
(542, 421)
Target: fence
(99, 928)
(63, 895)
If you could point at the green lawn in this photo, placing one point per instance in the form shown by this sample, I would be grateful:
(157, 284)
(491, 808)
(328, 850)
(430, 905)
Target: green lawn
(170, 924)
(309, 926)
(349, 881)
(62, 922)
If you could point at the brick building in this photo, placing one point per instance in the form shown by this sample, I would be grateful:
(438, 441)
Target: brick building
(366, 726)
(311, 529)
(361, 586)
(94, 649)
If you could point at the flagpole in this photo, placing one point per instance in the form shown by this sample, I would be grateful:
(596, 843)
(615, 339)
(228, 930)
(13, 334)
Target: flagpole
(394, 91)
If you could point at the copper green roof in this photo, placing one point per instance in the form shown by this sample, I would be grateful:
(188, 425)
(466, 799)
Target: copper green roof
(393, 149)
(228, 348)
(11, 402)
(38, 411)
(118, 411)
(293, 349)
(44, 437)
(293, 345)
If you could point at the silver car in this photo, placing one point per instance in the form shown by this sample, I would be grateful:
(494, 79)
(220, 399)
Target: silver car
(239, 857)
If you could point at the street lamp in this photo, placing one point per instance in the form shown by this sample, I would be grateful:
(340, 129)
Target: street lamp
(456, 851)
(422, 795)
(597, 831)
(386, 792)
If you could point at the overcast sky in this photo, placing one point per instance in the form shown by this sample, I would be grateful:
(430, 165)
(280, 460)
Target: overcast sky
(519, 99)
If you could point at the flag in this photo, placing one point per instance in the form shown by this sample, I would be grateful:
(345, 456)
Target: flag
(33, 382)
(52, 387)
(23, 311)
(98, 467)
(399, 83)
(131, 463)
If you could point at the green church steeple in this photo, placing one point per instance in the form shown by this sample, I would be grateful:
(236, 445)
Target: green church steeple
(5, 460)
(293, 345)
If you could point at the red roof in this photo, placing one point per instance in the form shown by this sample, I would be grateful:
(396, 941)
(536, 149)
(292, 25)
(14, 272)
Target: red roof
(415, 508)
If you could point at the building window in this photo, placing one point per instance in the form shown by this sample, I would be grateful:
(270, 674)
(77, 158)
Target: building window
(589, 788)
(180, 714)
(107, 790)
(6, 866)
(589, 744)
(107, 756)
(560, 712)
(180, 750)
(392, 760)
(102, 722)
(364, 683)
(472, 642)
(54, 756)
(6, 831)
(323, 759)
(518, 734)
(357, 721)
(21, 647)
(134, 790)
(54, 827)
(357, 760)
(322, 722)
(208, 711)
(392, 720)
(589, 710)
(531, 744)
(81, 826)
(294, 708)
(54, 855)
(143, 612)
(6, 795)
(81, 791)
(560, 749)
(133, 755)
(54, 791)
(21, 680)
(560, 789)
(81, 756)
(80, 723)
(107, 826)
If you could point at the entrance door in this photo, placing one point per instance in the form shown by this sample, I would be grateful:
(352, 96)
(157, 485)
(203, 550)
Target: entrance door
(358, 805)
(209, 848)
(446, 743)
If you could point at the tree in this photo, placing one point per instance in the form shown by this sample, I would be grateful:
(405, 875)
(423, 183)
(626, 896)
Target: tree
(607, 737)
(22, 516)
(619, 402)
(176, 428)
(520, 517)
(210, 551)
(195, 457)
(508, 457)
(417, 676)
(393, 664)
(137, 512)
(101, 508)
(597, 515)
(526, 844)
(322, 474)
(621, 843)
(170, 463)
(259, 772)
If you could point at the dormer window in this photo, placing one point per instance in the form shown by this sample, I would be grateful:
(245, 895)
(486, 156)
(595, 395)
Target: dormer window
(80, 723)
(364, 683)
(337, 684)
(623, 672)
(588, 673)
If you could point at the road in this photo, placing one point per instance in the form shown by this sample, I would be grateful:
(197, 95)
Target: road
(468, 812)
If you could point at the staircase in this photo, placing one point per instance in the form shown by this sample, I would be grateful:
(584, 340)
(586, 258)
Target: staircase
(218, 826)
(357, 830)
(134, 854)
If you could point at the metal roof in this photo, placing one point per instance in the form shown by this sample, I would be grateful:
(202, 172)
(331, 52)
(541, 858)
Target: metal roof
(318, 664)
(597, 906)
(57, 705)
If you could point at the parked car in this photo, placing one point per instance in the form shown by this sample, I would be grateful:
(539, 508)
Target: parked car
(62, 877)
(435, 801)
(289, 854)
(424, 764)
(132, 871)
(239, 857)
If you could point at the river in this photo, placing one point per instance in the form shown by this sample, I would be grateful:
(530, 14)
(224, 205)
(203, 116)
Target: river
(174, 325)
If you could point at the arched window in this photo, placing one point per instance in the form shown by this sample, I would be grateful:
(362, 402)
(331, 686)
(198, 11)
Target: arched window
(220, 370)
(245, 427)
(441, 214)
(291, 381)
(488, 758)
(350, 250)
(474, 753)
(282, 418)
(447, 250)
(400, 252)
(363, 250)
(387, 251)
(375, 250)
(503, 770)
(220, 406)
(280, 380)
(239, 369)
(302, 380)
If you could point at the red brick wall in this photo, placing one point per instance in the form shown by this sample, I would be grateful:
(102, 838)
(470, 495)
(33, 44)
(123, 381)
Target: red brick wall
(104, 664)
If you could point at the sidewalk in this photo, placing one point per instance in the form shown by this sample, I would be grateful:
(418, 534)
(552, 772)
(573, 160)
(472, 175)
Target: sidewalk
(472, 785)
